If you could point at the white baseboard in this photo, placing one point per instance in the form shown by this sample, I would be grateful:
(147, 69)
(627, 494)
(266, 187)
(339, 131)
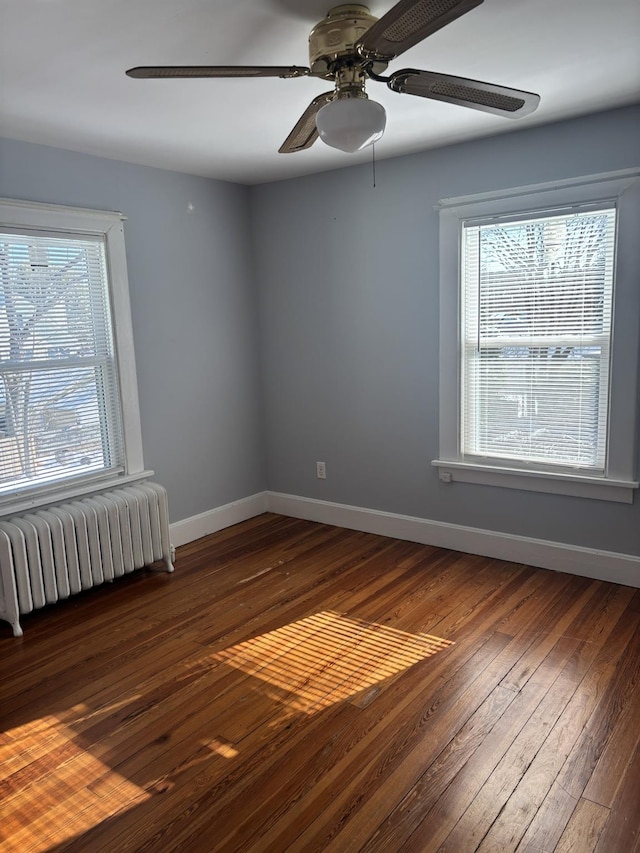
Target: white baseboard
(576, 560)
(216, 519)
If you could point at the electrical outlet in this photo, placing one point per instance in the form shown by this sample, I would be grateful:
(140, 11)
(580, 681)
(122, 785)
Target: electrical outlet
(321, 471)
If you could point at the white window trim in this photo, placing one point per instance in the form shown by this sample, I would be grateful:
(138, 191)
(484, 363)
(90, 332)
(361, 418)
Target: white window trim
(16, 214)
(617, 483)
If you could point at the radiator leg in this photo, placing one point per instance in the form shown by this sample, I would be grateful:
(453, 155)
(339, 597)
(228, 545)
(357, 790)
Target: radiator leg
(169, 556)
(17, 630)
(168, 564)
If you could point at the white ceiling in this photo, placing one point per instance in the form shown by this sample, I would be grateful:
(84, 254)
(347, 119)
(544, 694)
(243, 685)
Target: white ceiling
(62, 79)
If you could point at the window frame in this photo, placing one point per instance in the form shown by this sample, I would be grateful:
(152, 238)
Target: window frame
(617, 483)
(107, 226)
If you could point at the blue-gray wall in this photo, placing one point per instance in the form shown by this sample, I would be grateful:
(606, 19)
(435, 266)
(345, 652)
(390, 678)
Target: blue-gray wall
(319, 295)
(348, 278)
(193, 309)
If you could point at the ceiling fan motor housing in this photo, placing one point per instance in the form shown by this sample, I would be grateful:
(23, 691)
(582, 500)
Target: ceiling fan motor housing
(332, 42)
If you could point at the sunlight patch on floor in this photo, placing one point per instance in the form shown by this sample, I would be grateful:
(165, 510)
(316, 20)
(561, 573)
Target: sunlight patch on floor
(56, 786)
(328, 658)
(220, 746)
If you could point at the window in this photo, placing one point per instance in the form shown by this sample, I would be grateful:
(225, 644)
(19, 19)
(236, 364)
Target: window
(536, 322)
(68, 403)
(539, 354)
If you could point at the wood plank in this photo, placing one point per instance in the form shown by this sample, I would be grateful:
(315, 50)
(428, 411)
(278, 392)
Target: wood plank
(280, 692)
(514, 600)
(434, 780)
(544, 831)
(335, 797)
(424, 803)
(500, 815)
(622, 696)
(584, 828)
(614, 761)
(486, 782)
(622, 829)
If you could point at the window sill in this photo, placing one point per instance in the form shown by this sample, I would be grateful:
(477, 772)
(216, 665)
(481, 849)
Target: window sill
(577, 485)
(13, 506)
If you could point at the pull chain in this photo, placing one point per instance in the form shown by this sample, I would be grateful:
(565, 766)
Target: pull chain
(373, 162)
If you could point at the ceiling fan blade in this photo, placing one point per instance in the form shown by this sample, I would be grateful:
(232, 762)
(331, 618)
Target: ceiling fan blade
(305, 133)
(499, 100)
(153, 71)
(407, 23)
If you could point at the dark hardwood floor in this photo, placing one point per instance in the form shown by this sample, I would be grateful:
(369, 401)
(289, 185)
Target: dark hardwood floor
(295, 686)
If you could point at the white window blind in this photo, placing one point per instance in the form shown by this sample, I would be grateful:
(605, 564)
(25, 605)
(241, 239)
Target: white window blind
(60, 415)
(537, 297)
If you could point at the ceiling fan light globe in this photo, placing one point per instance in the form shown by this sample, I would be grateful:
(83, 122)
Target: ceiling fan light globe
(351, 124)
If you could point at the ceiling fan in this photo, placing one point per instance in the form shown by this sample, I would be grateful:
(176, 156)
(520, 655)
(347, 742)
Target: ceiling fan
(351, 46)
